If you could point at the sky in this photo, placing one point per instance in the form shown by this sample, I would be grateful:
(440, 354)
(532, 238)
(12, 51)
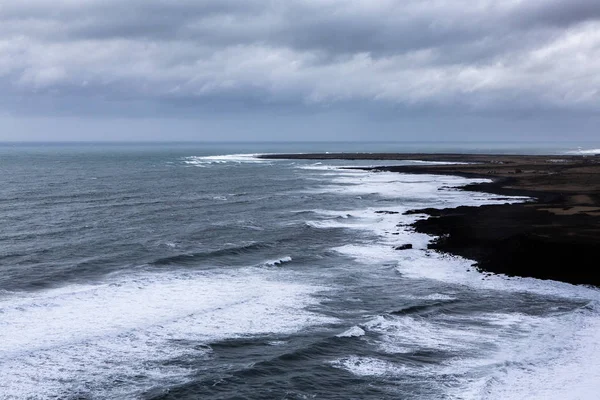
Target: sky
(255, 70)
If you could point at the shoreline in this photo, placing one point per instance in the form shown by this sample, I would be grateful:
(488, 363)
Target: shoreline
(556, 236)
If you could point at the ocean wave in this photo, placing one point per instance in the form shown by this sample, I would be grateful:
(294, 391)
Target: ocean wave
(557, 358)
(191, 258)
(203, 161)
(421, 308)
(433, 296)
(371, 366)
(119, 338)
(355, 331)
(277, 262)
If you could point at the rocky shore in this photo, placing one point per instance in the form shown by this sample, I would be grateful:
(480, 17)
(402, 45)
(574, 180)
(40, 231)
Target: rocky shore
(554, 236)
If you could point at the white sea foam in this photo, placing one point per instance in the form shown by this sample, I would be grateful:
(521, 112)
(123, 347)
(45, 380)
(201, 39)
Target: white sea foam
(402, 334)
(498, 356)
(440, 190)
(553, 357)
(113, 339)
(419, 263)
(355, 331)
(433, 296)
(320, 166)
(584, 151)
(370, 366)
(508, 355)
(203, 161)
(560, 361)
(419, 191)
(480, 344)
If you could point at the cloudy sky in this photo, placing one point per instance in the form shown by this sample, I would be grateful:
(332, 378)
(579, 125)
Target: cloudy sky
(300, 69)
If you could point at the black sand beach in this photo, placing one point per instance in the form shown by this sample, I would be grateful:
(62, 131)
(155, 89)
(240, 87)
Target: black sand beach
(554, 236)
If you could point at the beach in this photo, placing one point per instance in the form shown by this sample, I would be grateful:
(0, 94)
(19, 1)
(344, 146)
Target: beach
(554, 235)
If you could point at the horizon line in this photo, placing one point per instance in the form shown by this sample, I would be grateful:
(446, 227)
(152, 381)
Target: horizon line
(159, 141)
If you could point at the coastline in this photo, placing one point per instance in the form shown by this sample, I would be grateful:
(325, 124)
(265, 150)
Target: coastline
(554, 236)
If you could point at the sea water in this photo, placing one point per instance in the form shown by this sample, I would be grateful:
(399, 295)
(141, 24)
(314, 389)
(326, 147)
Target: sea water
(185, 271)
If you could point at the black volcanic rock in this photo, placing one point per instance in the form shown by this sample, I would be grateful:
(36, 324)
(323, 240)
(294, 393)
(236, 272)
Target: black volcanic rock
(520, 240)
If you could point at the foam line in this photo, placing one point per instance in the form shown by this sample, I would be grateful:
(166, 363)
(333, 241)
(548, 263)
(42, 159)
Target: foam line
(82, 339)
(224, 159)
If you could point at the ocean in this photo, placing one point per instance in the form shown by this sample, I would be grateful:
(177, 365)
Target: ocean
(198, 271)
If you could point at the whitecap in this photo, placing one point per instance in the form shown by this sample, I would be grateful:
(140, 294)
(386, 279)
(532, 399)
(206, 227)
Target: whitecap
(278, 262)
(370, 366)
(355, 331)
(224, 159)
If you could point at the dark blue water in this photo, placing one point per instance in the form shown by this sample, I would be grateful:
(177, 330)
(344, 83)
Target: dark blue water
(186, 271)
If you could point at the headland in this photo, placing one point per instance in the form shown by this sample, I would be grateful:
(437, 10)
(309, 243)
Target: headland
(554, 236)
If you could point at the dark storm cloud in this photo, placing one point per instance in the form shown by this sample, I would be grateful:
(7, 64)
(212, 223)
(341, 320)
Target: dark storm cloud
(559, 13)
(478, 55)
(332, 26)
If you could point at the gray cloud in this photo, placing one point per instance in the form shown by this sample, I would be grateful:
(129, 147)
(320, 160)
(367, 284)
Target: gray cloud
(470, 55)
(558, 13)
